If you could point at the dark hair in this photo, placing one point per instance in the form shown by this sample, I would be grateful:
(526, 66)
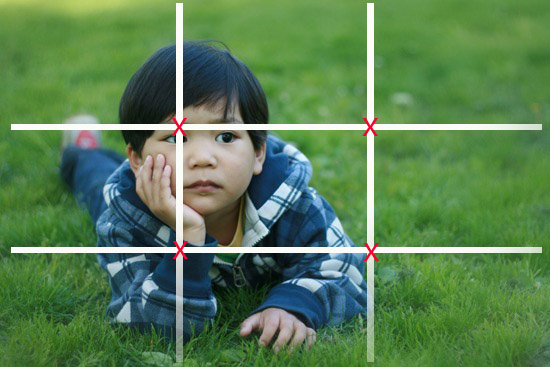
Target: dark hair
(210, 76)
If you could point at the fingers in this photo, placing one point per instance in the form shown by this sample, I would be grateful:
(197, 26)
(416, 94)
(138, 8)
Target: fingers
(292, 332)
(153, 186)
(250, 324)
(311, 337)
(139, 185)
(270, 326)
(287, 328)
(157, 175)
(143, 180)
(165, 189)
(153, 181)
(299, 336)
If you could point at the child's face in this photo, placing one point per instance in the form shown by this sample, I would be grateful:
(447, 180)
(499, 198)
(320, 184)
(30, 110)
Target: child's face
(225, 157)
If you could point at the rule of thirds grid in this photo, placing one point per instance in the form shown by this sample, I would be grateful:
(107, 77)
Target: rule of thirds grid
(369, 131)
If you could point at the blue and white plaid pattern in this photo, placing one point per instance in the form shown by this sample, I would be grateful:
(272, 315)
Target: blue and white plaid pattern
(321, 289)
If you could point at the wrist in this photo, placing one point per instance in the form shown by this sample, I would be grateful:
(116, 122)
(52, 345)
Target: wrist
(194, 236)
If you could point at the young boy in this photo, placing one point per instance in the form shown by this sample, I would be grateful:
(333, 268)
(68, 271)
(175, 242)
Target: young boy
(240, 188)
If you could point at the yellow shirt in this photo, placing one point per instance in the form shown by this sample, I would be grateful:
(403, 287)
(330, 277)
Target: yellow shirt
(237, 238)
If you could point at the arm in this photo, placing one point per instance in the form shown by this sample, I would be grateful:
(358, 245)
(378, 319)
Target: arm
(143, 285)
(319, 288)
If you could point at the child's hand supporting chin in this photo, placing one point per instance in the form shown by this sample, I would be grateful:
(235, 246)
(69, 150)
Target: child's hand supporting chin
(153, 188)
(290, 327)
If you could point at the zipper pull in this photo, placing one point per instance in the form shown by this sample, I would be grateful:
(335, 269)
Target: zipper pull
(238, 276)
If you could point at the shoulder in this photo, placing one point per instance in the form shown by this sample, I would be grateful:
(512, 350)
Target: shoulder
(311, 204)
(311, 219)
(111, 228)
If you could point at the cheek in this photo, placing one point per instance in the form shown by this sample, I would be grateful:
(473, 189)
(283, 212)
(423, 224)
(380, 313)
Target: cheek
(239, 178)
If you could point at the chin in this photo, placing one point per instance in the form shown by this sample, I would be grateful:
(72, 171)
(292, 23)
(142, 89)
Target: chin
(201, 208)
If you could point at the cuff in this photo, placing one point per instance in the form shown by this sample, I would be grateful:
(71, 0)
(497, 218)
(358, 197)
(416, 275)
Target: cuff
(297, 300)
(196, 282)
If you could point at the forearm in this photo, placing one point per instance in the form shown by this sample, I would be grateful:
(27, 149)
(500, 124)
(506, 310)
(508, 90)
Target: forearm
(144, 286)
(149, 306)
(196, 282)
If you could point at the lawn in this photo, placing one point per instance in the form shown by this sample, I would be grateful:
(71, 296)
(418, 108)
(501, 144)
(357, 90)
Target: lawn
(436, 62)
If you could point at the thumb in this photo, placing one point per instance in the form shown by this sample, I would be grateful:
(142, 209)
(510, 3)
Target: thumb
(251, 323)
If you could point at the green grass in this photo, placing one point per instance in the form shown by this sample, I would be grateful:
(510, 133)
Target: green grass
(477, 62)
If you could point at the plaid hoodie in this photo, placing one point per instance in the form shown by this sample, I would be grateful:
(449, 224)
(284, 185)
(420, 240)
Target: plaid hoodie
(280, 210)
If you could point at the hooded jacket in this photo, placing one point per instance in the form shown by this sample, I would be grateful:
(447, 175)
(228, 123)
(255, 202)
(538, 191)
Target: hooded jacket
(280, 210)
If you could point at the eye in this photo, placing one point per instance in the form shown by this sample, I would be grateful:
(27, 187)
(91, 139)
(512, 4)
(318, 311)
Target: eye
(172, 139)
(227, 137)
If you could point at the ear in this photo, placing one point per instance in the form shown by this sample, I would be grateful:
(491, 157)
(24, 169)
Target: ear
(259, 159)
(134, 158)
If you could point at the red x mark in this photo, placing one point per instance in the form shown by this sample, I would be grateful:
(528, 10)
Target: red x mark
(178, 126)
(370, 126)
(180, 250)
(371, 252)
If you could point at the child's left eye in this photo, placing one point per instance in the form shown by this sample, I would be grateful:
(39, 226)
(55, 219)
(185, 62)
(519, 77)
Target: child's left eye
(227, 137)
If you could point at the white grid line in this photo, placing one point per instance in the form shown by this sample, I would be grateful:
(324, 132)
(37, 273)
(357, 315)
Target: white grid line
(275, 250)
(283, 127)
(179, 181)
(370, 180)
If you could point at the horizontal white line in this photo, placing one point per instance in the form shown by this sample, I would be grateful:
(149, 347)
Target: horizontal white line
(435, 127)
(458, 250)
(279, 250)
(317, 127)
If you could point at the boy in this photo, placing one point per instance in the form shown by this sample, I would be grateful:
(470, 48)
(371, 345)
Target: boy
(240, 188)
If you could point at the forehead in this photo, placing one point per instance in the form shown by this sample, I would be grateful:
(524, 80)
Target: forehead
(206, 115)
(210, 115)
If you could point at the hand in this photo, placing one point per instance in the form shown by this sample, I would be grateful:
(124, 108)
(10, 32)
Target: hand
(153, 188)
(272, 319)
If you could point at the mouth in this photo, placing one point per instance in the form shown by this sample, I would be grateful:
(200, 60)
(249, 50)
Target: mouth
(203, 186)
(208, 188)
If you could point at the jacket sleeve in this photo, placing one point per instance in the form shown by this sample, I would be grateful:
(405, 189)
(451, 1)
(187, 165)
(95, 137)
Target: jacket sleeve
(320, 288)
(144, 285)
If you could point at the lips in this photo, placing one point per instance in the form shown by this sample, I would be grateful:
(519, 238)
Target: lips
(203, 183)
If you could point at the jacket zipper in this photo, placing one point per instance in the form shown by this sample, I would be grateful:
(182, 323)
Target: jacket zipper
(238, 274)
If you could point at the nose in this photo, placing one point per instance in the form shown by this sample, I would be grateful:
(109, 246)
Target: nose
(201, 156)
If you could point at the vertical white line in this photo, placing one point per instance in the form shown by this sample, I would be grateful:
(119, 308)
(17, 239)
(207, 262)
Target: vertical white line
(179, 182)
(370, 62)
(370, 181)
